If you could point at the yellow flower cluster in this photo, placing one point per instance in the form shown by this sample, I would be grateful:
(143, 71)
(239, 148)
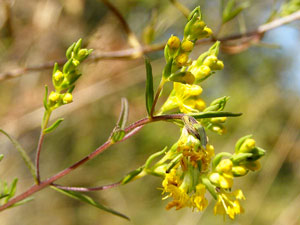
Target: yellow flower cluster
(190, 168)
(63, 81)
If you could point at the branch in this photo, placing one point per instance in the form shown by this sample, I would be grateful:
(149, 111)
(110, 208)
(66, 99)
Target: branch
(132, 38)
(130, 130)
(130, 53)
(184, 10)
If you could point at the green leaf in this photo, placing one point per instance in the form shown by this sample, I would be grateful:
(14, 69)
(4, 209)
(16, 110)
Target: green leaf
(1, 157)
(219, 157)
(12, 190)
(3, 195)
(168, 69)
(22, 202)
(132, 175)
(240, 142)
(123, 114)
(67, 65)
(77, 46)
(230, 12)
(69, 51)
(55, 68)
(149, 86)
(118, 135)
(45, 101)
(53, 126)
(213, 114)
(154, 156)
(23, 153)
(89, 200)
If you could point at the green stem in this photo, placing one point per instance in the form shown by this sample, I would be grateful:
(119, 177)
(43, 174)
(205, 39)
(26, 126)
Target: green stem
(45, 122)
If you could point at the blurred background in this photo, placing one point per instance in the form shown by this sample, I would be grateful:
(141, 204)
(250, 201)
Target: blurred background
(263, 82)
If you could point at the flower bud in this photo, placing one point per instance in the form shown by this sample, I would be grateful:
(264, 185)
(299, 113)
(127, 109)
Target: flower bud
(174, 42)
(253, 165)
(183, 77)
(182, 59)
(219, 65)
(58, 76)
(210, 61)
(248, 145)
(54, 97)
(218, 120)
(187, 46)
(239, 171)
(68, 98)
(75, 62)
(208, 31)
(224, 166)
(200, 72)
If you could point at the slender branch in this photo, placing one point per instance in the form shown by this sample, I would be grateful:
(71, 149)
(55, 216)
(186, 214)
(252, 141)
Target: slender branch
(130, 53)
(40, 143)
(84, 189)
(184, 10)
(132, 38)
(37, 158)
(130, 130)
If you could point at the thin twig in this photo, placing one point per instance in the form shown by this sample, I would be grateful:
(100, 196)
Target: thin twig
(130, 53)
(132, 38)
(37, 158)
(184, 10)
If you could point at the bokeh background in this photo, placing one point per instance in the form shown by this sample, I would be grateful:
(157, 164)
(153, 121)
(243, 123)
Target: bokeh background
(263, 82)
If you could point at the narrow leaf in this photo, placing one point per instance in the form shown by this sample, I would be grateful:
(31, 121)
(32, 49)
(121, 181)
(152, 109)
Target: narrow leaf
(123, 114)
(230, 13)
(89, 200)
(23, 153)
(22, 202)
(3, 195)
(168, 69)
(149, 86)
(45, 101)
(12, 190)
(53, 126)
(132, 175)
(214, 114)
(1, 157)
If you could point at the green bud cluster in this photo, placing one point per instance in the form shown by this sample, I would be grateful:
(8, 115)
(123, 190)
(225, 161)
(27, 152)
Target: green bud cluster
(177, 52)
(196, 28)
(207, 63)
(246, 156)
(64, 80)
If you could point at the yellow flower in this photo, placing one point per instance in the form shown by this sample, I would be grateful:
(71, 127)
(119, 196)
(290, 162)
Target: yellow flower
(198, 199)
(223, 176)
(185, 97)
(228, 203)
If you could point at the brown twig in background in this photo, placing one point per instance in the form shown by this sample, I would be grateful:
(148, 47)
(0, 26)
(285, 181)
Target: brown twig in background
(184, 10)
(231, 44)
(132, 38)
